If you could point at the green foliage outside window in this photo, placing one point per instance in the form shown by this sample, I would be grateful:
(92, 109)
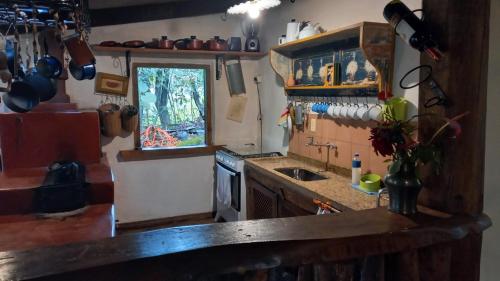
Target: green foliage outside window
(172, 106)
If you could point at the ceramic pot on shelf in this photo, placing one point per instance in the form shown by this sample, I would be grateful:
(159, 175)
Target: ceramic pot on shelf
(165, 43)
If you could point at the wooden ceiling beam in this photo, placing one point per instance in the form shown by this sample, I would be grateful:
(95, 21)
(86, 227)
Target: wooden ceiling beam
(151, 12)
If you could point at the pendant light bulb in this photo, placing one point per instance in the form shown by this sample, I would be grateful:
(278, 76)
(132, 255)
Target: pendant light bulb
(253, 8)
(253, 13)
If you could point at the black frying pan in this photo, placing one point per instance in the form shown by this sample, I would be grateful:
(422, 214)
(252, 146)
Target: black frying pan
(21, 98)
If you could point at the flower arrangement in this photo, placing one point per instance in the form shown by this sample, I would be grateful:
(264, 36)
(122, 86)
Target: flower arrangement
(396, 138)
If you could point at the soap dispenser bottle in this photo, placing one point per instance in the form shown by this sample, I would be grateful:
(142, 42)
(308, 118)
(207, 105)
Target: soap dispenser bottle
(356, 169)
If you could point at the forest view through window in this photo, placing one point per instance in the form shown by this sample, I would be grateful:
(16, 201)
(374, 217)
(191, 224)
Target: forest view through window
(172, 105)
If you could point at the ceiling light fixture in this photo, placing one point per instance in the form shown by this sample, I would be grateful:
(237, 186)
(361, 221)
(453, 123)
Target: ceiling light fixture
(253, 7)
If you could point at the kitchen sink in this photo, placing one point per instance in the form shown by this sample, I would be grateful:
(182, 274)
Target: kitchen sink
(300, 174)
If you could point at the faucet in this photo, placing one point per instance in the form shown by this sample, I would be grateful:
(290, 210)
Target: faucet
(328, 147)
(379, 194)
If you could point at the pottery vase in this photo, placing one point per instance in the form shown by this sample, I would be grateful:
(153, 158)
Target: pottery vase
(403, 187)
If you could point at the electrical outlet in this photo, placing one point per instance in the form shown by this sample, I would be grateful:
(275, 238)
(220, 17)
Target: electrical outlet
(257, 79)
(312, 125)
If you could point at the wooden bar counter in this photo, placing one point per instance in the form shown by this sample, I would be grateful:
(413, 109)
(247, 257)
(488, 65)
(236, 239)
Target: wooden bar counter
(192, 252)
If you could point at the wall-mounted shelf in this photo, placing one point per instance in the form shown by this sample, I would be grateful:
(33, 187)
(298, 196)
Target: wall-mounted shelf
(326, 88)
(334, 91)
(200, 54)
(375, 40)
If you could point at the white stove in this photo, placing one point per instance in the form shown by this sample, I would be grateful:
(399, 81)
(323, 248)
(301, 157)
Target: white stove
(230, 180)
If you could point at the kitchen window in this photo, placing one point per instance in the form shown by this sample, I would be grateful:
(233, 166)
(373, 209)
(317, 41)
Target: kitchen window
(174, 102)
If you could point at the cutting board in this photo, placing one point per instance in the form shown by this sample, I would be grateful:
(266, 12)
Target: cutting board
(237, 107)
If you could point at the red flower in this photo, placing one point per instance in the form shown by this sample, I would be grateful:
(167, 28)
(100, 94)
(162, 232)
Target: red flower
(382, 141)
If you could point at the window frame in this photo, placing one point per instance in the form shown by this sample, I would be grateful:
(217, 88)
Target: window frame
(140, 153)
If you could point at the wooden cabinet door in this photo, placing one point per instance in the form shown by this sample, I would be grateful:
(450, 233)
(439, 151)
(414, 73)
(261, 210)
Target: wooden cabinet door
(262, 203)
(287, 209)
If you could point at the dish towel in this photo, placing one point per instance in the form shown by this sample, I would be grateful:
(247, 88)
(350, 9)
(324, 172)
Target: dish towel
(223, 188)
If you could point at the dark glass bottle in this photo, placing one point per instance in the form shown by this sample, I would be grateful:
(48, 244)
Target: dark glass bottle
(410, 28)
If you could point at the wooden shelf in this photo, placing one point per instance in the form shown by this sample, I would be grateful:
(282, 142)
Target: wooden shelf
(336, 35)
(375, 40)
(346, 87)
(181, 53)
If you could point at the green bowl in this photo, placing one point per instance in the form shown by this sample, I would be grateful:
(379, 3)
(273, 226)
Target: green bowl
(370, 182)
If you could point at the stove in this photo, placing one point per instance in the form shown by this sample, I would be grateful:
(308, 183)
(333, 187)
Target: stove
(230, 175)
(247, 151)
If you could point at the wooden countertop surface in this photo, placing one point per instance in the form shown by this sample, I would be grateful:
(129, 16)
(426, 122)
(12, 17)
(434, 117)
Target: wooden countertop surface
(180, 252)
(21, 232)
(336, 188)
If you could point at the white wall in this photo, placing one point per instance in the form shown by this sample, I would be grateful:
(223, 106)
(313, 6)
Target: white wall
(330, 15)
(164, 188)
(490, 270)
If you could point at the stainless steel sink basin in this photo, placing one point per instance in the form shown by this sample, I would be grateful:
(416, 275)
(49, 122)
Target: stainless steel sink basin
(300, 174)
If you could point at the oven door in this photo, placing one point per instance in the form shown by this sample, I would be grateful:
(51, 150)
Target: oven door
(235, 180)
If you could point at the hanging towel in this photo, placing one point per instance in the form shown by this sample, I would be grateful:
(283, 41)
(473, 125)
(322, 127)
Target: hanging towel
(223, 187)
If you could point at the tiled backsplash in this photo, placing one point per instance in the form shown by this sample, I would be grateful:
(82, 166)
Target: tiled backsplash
(350, 136)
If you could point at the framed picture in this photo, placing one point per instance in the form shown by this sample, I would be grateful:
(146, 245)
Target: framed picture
(111, 84)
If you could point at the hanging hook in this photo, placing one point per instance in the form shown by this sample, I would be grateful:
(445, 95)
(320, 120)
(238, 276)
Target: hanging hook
(127, 61)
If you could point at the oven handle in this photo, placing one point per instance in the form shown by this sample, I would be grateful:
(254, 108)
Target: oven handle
(226, 170)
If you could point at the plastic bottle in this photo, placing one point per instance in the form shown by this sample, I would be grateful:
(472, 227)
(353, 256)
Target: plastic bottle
(356, 169)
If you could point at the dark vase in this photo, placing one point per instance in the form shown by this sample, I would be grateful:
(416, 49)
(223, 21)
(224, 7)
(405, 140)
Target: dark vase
(404, 187)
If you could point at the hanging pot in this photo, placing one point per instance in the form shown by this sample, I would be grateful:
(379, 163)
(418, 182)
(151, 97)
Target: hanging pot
(46, 88)
(79, 50)
(48, 66)
(404, 187)
(130, 118)
(85, 72)
(21, 98)
(109, 116)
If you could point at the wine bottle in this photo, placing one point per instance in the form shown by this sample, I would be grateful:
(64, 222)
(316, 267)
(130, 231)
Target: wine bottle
(411, 29)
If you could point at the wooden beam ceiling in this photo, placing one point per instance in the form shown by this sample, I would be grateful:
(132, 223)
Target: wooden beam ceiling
(151, 12)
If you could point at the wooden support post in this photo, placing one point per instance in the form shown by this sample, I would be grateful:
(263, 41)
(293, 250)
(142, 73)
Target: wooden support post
(462, 29)
(462, 74)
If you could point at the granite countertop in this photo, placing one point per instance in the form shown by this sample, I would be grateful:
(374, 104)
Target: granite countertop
(336, 188)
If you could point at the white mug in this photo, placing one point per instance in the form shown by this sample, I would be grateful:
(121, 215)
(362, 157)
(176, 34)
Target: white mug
(362, 112)
(336, 110)
(351, 112)
(344, 110)
(330, 110)
(375, 112)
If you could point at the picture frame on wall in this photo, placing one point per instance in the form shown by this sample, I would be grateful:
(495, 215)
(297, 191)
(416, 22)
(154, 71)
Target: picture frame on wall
(111, 84)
